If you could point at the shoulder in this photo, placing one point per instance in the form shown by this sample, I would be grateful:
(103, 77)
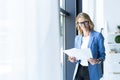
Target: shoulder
(96, 34)
(78, 37)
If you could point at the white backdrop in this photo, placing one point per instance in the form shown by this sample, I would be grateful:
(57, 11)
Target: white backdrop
(95, 8)
(29, 40)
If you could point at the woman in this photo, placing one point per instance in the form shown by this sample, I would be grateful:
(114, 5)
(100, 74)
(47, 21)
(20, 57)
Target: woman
(88, 38)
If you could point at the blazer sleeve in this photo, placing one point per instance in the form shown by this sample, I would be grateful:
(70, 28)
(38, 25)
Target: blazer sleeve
(101, 47)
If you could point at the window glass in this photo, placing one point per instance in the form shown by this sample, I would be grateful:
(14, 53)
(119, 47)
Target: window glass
(62, 35)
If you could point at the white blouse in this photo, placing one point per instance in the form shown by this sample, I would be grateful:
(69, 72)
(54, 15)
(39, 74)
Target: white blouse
(85, 41)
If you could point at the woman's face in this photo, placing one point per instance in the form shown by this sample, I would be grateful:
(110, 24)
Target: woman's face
(83, 24)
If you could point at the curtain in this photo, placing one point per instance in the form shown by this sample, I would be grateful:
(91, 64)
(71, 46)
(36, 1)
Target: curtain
(29, 40)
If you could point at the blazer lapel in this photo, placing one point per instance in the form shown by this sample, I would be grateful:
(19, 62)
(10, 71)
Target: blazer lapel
(80, 41)
(91, 39)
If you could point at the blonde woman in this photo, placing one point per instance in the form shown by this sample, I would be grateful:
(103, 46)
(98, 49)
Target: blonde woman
(88, 38)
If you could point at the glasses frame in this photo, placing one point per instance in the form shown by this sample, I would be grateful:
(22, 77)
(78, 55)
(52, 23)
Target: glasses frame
(83, 23)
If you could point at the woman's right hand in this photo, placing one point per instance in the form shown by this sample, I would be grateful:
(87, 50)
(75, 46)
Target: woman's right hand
(72, 59)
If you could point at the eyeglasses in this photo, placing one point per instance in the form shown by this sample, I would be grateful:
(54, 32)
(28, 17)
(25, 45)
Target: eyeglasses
(82, 23)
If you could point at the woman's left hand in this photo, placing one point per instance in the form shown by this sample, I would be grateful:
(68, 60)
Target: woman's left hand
(93, 61)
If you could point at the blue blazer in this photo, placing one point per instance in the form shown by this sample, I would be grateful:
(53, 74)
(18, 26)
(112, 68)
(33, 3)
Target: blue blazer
(96, 44)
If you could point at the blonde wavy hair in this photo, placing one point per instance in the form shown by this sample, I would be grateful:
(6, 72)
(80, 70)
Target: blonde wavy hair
(85, 16)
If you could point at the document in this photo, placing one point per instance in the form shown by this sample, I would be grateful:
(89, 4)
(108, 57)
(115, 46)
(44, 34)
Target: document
(79, 54)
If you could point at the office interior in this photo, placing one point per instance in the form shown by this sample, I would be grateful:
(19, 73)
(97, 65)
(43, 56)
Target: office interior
(34, 33)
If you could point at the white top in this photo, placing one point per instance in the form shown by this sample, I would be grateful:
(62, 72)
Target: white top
(85, 41)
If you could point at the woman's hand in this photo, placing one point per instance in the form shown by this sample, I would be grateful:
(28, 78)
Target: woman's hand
(72, 59)
(93, 61)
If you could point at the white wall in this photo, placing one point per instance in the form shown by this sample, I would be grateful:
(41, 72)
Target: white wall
(95, 10)
(112, 14)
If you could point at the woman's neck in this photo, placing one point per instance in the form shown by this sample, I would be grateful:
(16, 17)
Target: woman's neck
(86, 33)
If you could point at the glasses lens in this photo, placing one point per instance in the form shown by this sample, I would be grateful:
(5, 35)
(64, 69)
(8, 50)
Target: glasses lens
(81, 23)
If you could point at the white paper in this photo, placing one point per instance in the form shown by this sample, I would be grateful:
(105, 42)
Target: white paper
(80, 54)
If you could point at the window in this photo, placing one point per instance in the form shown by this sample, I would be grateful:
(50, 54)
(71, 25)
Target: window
(68, 11)
(62, 35)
